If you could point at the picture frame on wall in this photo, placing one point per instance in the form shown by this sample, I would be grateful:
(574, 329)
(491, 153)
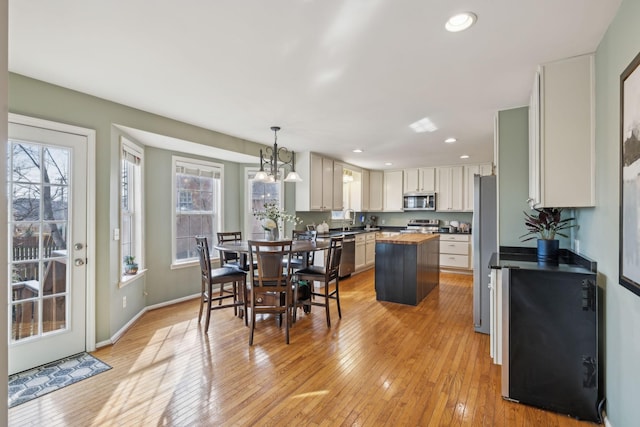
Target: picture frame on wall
(629, 253)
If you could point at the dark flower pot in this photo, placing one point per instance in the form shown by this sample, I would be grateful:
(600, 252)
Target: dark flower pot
(548, 251)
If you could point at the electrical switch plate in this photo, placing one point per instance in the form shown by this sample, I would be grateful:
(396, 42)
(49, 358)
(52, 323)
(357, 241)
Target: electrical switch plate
(116, 234)
(124, 302)
(576, 245)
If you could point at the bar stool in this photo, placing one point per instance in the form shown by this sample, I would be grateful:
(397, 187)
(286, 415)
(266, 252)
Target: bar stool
(220, 276)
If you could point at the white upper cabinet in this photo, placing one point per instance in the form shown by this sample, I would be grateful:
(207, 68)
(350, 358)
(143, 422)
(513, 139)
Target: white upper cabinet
(376, 179)
(450, 188)
(352, 191)
(365, 190)
(393, 191)
(419, 180)
(468, 189)
(562, 134)
(321, 186)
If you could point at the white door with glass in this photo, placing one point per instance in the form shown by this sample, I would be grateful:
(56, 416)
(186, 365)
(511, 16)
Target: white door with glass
(47, 191)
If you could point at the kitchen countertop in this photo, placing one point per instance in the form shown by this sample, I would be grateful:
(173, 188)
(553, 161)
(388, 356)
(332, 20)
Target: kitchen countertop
(407, 239)
(525, 258)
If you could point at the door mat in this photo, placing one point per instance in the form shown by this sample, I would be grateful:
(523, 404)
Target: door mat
(53, 376)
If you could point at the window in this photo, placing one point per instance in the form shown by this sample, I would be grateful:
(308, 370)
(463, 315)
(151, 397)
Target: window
(197, 201)
(131, 216)
(260, 192)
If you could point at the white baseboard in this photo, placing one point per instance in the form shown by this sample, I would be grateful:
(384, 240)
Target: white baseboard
(606, 421)
(115, 337)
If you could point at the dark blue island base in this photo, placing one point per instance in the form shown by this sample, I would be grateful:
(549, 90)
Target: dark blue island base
(407, 267)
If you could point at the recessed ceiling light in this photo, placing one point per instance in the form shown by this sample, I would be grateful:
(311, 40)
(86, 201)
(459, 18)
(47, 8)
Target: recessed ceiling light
(357, 150)
(450, 140)
(464, 156)
(388, 164)
(461, 22)
(423, 125)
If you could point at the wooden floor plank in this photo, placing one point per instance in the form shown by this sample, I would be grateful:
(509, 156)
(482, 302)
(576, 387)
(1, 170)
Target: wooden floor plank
(381, 364)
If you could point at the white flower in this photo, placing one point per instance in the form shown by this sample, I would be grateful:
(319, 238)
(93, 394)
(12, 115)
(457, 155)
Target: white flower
(269, 224)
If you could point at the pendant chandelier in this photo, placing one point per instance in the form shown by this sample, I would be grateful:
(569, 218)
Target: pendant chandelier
(275, 158)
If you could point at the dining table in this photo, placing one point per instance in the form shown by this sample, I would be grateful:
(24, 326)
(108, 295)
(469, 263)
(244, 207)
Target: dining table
(241, 247)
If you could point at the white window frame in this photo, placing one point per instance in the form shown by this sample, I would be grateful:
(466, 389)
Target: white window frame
(248, 219)
(199, 164)
(129, 148)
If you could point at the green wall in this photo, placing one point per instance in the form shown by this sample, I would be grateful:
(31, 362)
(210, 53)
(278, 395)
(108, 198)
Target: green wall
(42, 100)
(599, 227)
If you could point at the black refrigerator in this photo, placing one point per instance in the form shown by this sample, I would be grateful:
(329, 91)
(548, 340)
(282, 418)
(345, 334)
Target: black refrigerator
(485, 243)
(550, 340)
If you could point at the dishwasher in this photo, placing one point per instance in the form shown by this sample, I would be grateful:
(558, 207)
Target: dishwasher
(348, 257)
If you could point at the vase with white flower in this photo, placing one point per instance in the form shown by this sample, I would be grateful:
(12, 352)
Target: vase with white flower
(272, 218)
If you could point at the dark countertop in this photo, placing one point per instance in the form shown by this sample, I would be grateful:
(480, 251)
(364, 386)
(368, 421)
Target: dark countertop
(525, 258)
(360, 230)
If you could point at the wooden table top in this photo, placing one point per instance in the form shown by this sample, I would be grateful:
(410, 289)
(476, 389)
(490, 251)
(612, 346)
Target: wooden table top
(296, 246)
(407, 238)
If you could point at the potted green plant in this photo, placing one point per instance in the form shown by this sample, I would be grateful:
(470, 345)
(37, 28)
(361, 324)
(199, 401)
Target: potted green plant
(130, 265)
(545, 224)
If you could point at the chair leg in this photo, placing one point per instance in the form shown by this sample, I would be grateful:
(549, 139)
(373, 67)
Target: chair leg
(337, 296)
(326, 304)
(287, 313)
(202, 297)
(253, 321)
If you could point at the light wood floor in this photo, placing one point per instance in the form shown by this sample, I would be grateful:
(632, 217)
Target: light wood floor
(382, 364)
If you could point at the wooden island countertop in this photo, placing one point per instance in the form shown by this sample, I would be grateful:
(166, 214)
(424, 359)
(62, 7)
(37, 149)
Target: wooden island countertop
(407, 239)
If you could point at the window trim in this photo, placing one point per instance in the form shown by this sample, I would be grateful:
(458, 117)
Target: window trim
(127, 145)
(175, 264)
(248, 213)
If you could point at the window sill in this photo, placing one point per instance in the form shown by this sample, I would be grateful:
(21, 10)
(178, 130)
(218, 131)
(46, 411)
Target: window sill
(193, 263)
(128, 278)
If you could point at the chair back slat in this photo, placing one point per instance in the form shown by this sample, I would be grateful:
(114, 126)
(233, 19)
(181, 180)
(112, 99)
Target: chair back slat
(229, 257)
(270, 259)
(203, 255)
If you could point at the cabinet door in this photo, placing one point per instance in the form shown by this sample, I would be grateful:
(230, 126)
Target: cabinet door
(427, 179)
(375, 191)
(327, 184)
(469, 172)
(411, 180)
(370, 252)
(336, 187)
(365, 190)
(450, 188)
(360, 261)
(393, 191)
(315, 182)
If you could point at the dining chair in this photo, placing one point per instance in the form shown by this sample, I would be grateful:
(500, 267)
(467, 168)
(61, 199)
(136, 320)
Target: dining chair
(230, 258)
(270, 290)
(220, 276)
(303, 259)
(326, 275)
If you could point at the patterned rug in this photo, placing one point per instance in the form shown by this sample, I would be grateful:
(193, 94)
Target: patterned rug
(53, 376)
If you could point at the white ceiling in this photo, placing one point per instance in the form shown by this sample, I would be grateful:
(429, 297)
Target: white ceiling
(334, 74)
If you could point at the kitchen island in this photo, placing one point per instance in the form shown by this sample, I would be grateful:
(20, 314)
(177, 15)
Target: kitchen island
(407, 267)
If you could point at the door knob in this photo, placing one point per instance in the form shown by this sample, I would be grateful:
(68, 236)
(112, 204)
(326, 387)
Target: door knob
(78, 262)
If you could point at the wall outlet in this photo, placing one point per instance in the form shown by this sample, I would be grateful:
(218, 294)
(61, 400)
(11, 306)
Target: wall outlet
(383, 222)
(576, 245)
(124, 302)
(116, 234)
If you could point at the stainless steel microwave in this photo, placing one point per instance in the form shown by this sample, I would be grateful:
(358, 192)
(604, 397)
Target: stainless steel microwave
(419, 202)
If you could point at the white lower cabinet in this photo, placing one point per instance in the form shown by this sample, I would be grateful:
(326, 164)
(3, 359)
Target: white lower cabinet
(455, 251)
(365, 251)
(360, 252)
(370, 249)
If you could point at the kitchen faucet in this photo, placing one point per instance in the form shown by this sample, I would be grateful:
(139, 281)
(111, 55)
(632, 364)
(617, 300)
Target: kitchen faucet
(350, 216)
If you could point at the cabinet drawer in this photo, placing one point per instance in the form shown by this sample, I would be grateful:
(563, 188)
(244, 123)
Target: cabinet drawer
(460, 248)
(455, 237)
(370, 236)
(457, 261)
(360, 238)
